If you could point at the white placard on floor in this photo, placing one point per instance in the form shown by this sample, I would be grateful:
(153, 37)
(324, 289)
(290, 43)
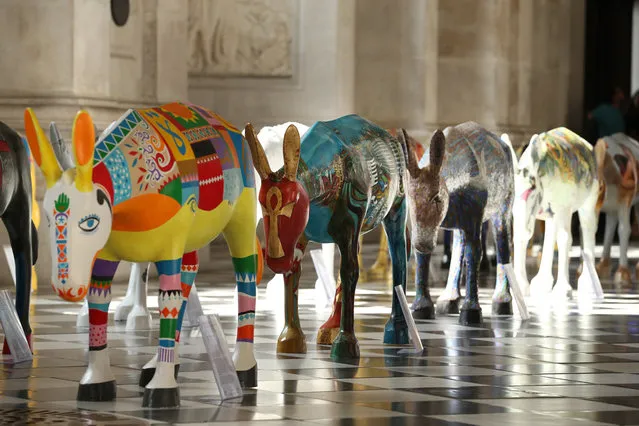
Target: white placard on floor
(223, 369)
(520, 303)
(596, 289)
(13, 332)
(412, 328)
(193, 308)
(11, 261)
(325, 292)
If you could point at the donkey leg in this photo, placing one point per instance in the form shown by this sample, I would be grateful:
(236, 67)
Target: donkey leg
(345, 345)
(98, 382)
(423, 307)
(622, 276)
(470, 312)
(82, 321)
(484, 264)
(563, 289)
(502, 299)
(396, 330)
(292, 338)
(34, 251)
(243, 248)
(329, 330)
(140, 318)
(446, 258)
(542, 283)
(588, 221)
(448, 301)
(381, 268)
(328, 255)
(162, 391)
(124, 308)
(188, 271)
(19, 229)
(603, 267)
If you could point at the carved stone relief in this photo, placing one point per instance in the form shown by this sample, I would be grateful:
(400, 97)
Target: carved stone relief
(247, 38)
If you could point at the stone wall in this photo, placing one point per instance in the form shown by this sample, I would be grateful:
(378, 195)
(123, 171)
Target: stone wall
(512, 65)
(315, 41)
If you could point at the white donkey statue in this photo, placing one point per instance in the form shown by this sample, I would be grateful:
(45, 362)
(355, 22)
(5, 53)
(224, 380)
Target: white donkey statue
(556, 176)
(617, 157)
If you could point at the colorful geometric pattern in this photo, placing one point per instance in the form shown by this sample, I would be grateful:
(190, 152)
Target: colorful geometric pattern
(188, 273)
(246, 291)
(176, 149)
(119, 132)
(118, 169)
(99, 298)
(61, 214)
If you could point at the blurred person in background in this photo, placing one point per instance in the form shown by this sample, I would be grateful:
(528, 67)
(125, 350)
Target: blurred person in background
(608, 116)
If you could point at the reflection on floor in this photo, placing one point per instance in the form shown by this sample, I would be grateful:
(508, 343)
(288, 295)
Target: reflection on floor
(568, 365)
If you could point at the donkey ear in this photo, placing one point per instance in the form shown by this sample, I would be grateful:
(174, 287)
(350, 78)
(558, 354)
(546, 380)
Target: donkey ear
(260, 162)
(83, 145)
(41, 149)
(409, 149)
(437, 150)
(291, 152)
(60, 147)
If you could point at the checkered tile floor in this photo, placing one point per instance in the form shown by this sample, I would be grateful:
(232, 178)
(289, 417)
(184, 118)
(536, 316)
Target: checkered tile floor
(568, 365)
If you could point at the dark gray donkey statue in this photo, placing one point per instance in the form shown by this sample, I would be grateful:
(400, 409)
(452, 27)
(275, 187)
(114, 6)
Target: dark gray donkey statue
(476, 185)
(15, 210)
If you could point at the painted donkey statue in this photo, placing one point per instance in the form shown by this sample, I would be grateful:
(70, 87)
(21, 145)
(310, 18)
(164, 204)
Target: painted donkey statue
(344, 178)
(177, 176)
(133, 309)
(15, 210)
(476, 185)
(556, 176)
(618, 156)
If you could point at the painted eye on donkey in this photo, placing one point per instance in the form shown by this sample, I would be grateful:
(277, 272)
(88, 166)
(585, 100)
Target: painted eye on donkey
(89, 223)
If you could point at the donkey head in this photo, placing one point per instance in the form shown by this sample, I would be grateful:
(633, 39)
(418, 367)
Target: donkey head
(78, 213)
(528, 191)
(284, 201)
(426, 190)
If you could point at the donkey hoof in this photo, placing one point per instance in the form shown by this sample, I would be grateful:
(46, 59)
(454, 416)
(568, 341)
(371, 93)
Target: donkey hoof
(623, 278)
(423, 308)
(97, 392)
(503, 308)
(148, 373)
(484, 265)
(448, 306)
(395, 334)
(426, 313)
(161, 398)
(325, 336)
(345, 346)
(291, 341)
(248, 378)
(470, 316)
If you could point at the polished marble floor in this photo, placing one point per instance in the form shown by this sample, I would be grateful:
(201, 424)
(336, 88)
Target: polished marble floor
(567, 365)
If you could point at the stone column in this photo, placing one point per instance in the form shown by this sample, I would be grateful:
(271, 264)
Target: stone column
(59, 56)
